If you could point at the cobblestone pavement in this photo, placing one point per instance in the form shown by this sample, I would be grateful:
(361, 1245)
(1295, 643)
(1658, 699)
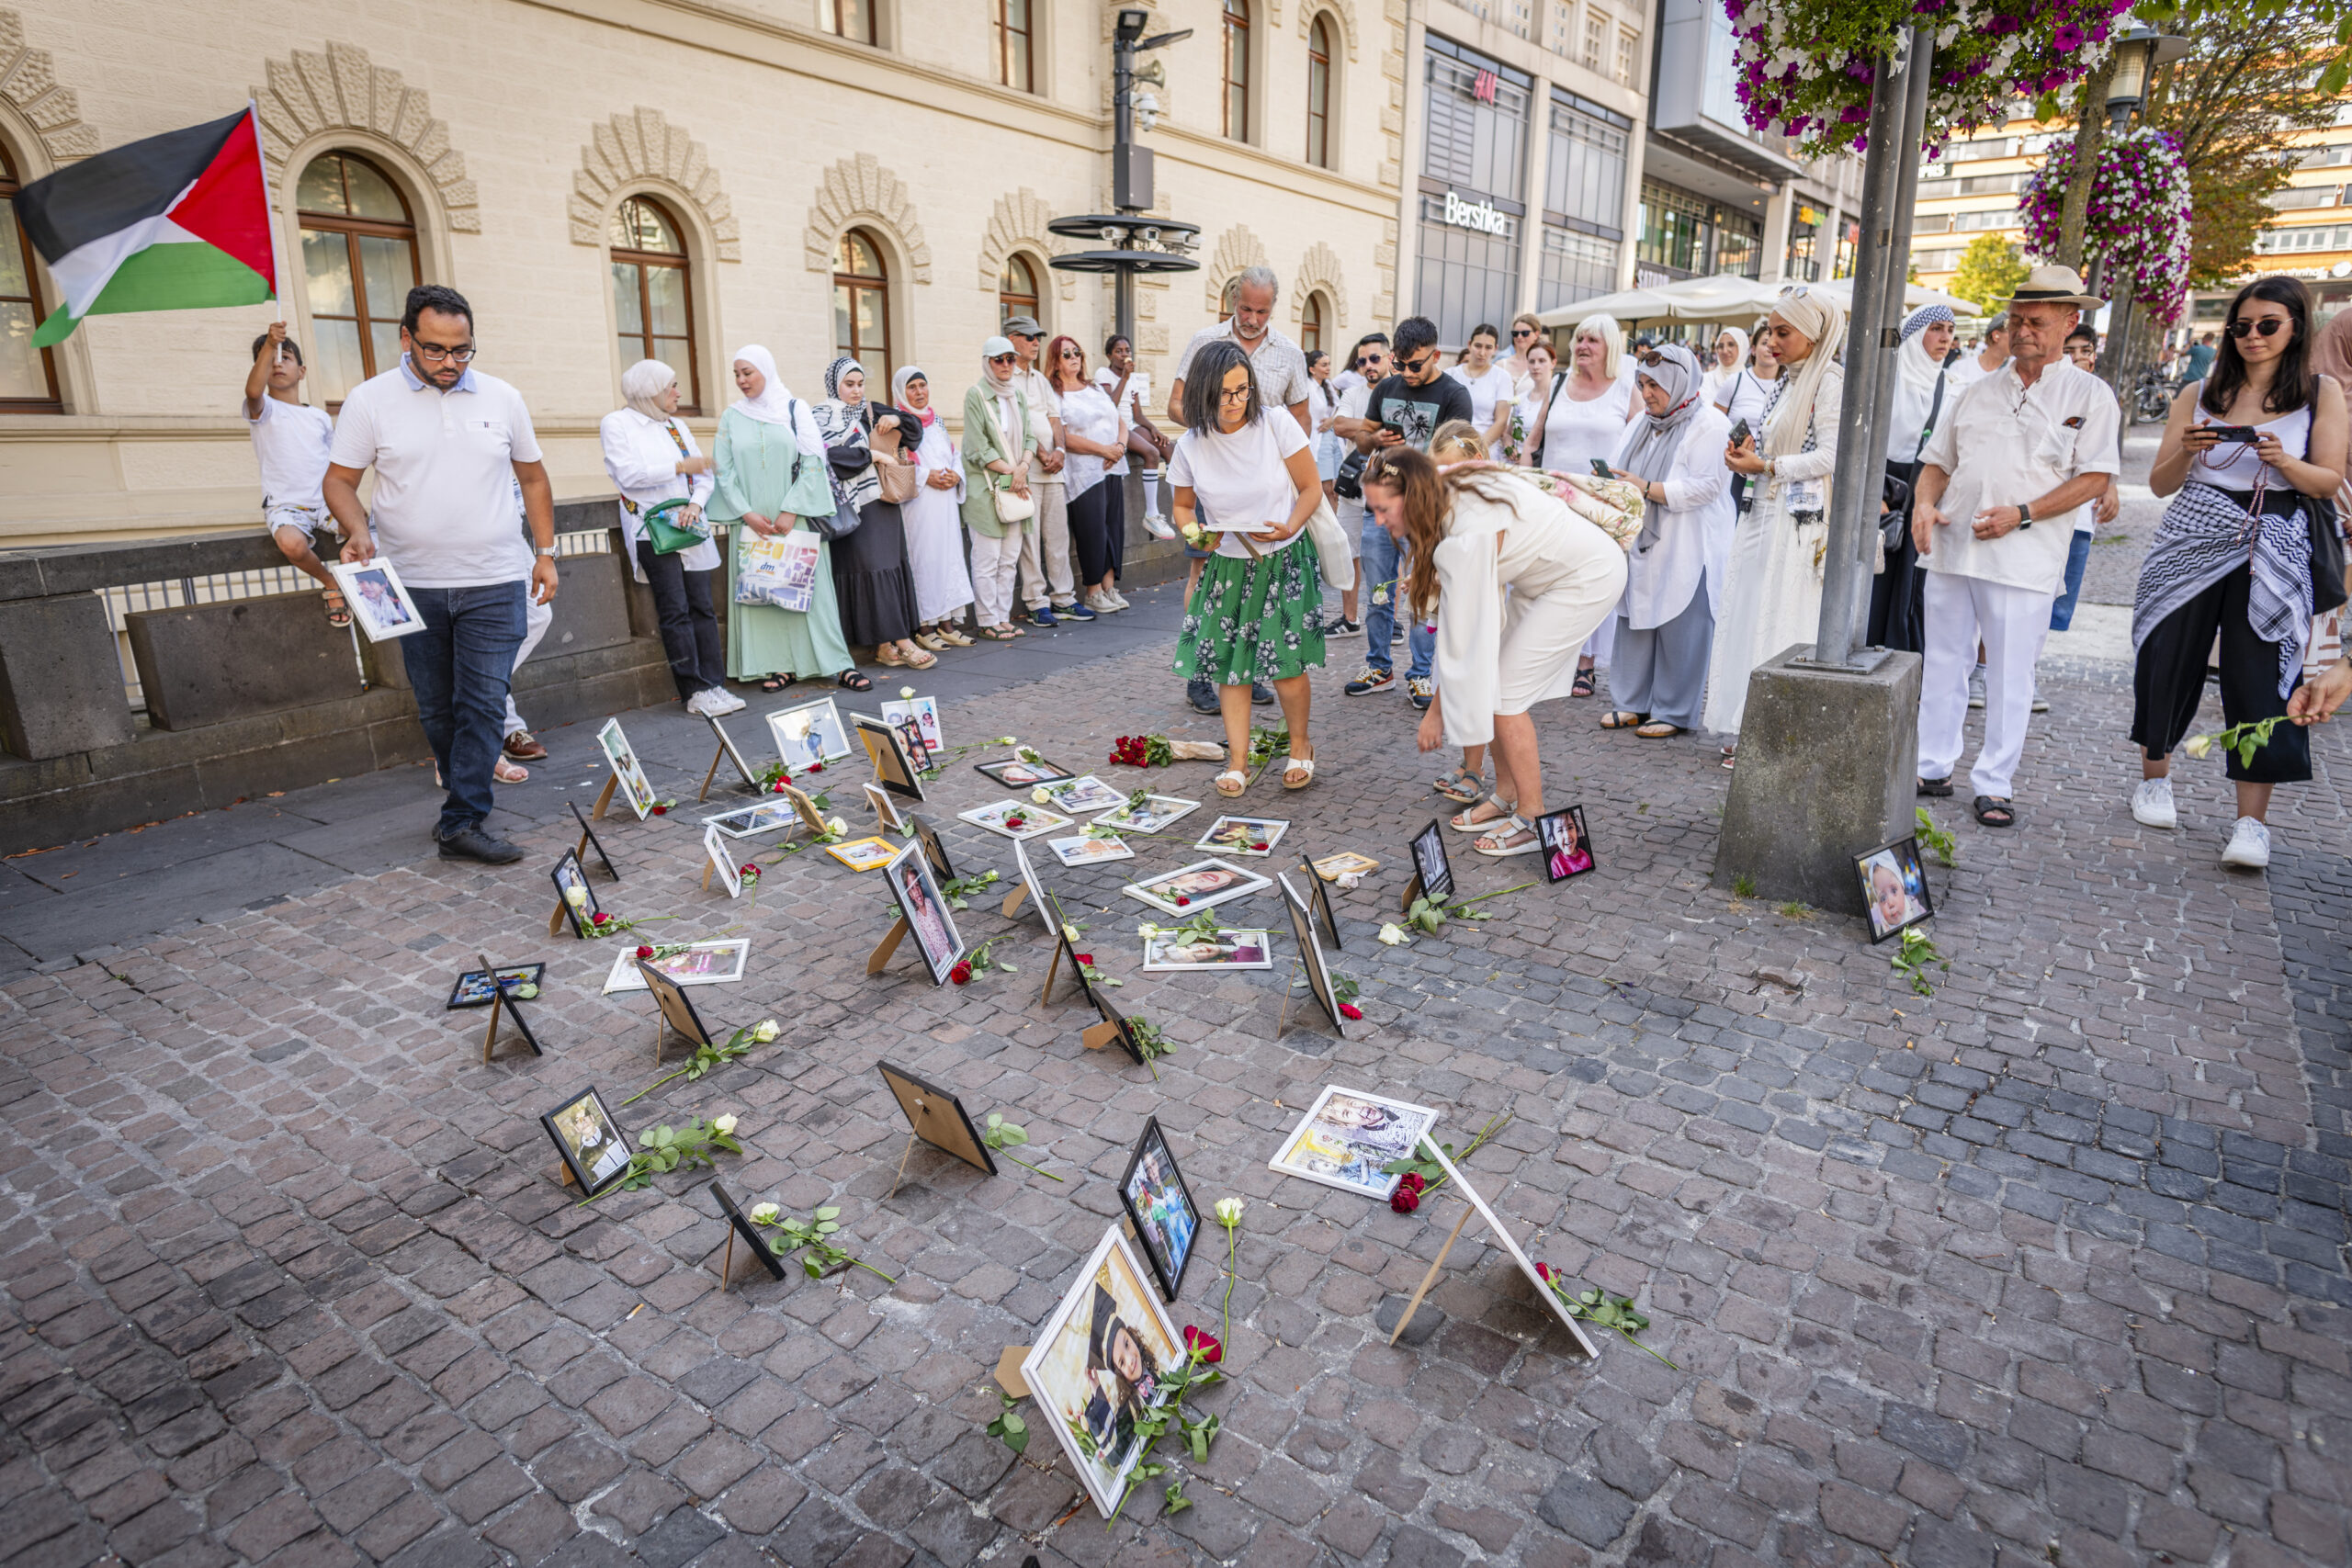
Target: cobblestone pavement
(2047, 1266)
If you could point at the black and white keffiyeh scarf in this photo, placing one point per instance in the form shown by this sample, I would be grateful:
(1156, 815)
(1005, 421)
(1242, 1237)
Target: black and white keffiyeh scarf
(1764, 420)
(2206, 536)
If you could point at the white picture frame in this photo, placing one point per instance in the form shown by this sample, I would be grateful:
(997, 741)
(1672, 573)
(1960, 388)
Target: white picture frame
(379, 601)
(924, 711)
(1218, 836)
(1511, 1245)
(1083, 794)
(1207, 890)
(770, 816)
(1162, 954)
(1083, 850)
(1332, 1146)
(722, 859)
(621, 757)
(1035, 818)
(885, 807)
(808, 733)
(1158, 813)
(1034, 883)
(1070, 1371)
(718, 962)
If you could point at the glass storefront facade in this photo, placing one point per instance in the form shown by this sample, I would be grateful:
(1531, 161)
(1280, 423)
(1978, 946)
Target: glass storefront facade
(1584, 201)
(1472, 188)
(1685, 235)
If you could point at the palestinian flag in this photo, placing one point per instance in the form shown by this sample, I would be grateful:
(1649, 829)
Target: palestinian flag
(176, 222)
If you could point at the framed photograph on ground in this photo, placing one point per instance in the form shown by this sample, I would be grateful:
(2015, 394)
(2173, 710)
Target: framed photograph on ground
(894, 766)
(1014, 819)
(933, 851)
(1160, 1207)
(714, 963)
(588, 841)
(1156, 813)
(574, 898)
(1019, 772)
(864, 854)
(1432, 871)
(729, 754)
(1347, 1135)
(1243, 835)
(809, 733)
(916, 891)
(1065, 951)
(715, 849)
(1310, 956)
(924, 711)
(1510, 1244)
(1028, 886)
(627, 770)
(770, 816)
(1081, 796)
(378, 601)
(1319, 897)
(885, 809)
(1189, 889)
(589, 1140)
(677, 1008)
(919, 750)
(1095, 1367)
(472, 989)
(1347, 862)
(937, 1117)
(1894, 888)
(1230, 949)
(1086, 850)
(1121, 1028)
(1566, 851)
(748, 1233)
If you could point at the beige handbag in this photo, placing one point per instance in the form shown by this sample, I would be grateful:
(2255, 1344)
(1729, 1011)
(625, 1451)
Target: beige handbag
(901, 483)
(1336, 561)
(1012, 507)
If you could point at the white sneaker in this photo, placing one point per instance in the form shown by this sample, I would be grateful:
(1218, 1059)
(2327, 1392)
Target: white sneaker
(1159, 527)
(724, 702)
(1118, 600)
(699, 704)
(2249, 844)
(1976, 687)
(2152, 805)
(1102, 604)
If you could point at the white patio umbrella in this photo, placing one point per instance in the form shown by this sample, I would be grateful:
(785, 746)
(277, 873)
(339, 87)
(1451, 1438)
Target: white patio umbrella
(1723, 298)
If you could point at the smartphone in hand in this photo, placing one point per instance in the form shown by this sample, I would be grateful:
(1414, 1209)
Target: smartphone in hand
(1739, 433)
(1600, 469)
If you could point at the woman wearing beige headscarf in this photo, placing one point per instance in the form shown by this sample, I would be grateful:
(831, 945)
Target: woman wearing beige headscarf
(1773, 581)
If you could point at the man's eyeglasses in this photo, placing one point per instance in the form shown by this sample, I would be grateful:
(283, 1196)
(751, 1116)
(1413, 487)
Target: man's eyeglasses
(433, 354)
(2268, 326)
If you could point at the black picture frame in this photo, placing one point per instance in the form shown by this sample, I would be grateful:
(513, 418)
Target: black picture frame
(1547, 829)
(1318, 892)
(584, 920)
(513, 1009)
(1155, 1140)
(580, 1173)
(1113, 1016)
(934, 849)
(1050, 773)
(1066, 952)
(677, 1008)
(1902, 857)
(594, 842)
(509, 977)
(1310, 955)
(918, 749)
(734, 1215)
(927, 1108)
(1428, 849)
(886, 750)
(727, 744)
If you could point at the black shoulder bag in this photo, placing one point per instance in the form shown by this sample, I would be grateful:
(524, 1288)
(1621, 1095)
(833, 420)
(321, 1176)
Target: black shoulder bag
(1896, 523)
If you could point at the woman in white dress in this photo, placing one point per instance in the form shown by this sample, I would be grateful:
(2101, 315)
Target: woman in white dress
(1774, 580)
(934, 522)
(652, 457)
(1540, 367)
(1584, 416)
(1723, 365)
(1665, 625)
(1491, 392)
(1515, 581)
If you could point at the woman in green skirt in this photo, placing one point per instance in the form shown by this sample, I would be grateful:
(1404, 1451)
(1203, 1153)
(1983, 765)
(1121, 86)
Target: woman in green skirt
(772, 474)
(1248, 470)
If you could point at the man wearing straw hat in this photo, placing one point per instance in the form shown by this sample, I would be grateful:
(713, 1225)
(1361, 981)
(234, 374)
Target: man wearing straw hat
(2020, 452)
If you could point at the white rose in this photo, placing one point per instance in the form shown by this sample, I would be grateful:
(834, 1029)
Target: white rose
(2199, 747)
(1042, 795)
(764, 1031)
(905, 692)
(837, 826)
(723, 1125)
(765, 1213)
(1393, 935)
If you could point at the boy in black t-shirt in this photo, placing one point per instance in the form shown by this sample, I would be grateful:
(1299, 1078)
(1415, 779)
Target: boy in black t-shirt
(1404, 411)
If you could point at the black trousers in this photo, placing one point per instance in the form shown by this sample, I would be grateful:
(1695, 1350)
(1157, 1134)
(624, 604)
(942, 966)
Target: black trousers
(1898, 617)
(1114, 521)
(1090, 533)
(689, 627)
(2168, 679)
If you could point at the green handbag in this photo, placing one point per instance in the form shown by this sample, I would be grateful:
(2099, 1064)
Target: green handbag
(669, 537)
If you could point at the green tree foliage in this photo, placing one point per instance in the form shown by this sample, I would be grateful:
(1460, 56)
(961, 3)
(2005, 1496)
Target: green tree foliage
(1990, 270)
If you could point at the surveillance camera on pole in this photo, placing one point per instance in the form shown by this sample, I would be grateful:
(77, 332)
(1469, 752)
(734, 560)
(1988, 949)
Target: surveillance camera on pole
(1134, 246)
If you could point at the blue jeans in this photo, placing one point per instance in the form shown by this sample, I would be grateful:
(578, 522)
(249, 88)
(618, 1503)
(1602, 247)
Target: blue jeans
(2078, 555)
(459, 667)
(1376, 562)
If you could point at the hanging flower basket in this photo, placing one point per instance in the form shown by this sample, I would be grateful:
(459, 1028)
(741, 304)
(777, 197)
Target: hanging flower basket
(2137, 221)
(1806, 66)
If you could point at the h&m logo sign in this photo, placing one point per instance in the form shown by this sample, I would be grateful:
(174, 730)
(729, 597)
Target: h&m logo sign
(1476, 215)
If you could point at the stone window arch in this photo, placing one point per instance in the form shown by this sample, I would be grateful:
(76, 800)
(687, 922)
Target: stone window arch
(358, 263)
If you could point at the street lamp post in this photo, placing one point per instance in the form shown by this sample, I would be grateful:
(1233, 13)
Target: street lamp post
(2137, 54)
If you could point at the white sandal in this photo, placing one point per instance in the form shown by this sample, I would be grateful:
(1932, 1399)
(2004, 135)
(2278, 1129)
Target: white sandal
(1460, 821)
(1241, 783)
(1510, 825)
(1301, 765)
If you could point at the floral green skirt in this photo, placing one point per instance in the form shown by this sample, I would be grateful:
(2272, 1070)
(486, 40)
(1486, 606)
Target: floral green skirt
(1254, 620)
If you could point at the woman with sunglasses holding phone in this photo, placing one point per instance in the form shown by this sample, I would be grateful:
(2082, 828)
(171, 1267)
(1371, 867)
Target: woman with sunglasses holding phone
(2234, 554)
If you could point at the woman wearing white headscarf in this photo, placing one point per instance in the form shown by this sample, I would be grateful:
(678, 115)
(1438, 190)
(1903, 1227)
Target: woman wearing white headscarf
(871, 576)
(1665, 625)
(1773, 582)
(772, 475)
(934, 524)
(1925, 391)
(1724, 364)
(652, 457)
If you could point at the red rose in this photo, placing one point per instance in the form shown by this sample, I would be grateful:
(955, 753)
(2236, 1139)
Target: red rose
(1544, 1272)
(644, 952)
(1405, 1200)
(661, 810)
(1412, 1181)
(1085, 958)
(749, 873)
(1260, 847)
(1350, 1009)
(816, 767)
(961, 974)
(1181, 900)
(1204, 1345)
(778, 789)
(602, 917)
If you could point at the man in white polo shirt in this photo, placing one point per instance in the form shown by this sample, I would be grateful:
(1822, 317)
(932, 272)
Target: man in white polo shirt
(448, 446)
(2001, 479)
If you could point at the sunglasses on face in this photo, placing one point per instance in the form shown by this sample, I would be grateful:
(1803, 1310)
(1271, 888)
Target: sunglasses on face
(2268, 326)
(1413, 367)
(1522, 331)
(1003, 359)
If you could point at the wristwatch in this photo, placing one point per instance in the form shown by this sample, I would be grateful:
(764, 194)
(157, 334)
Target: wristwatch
(546, 549)
(2025, 515)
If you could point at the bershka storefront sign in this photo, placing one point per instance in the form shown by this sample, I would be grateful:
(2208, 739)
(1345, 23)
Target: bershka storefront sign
(1477, 215)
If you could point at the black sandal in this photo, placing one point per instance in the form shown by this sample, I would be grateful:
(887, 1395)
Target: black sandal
(1937, 788)
(1988, 807)
(776, 683)
(1584, 683)
(852, 680)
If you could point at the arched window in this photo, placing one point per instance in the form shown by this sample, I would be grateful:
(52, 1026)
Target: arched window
(851, 20)
(653, 295)
(1016, 291)
(1236, 69)
(1319, 91)
(1225, 302)
(358, 264)
(28, 374)
(862, 307)
(1310, 323)
(1016, 36)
